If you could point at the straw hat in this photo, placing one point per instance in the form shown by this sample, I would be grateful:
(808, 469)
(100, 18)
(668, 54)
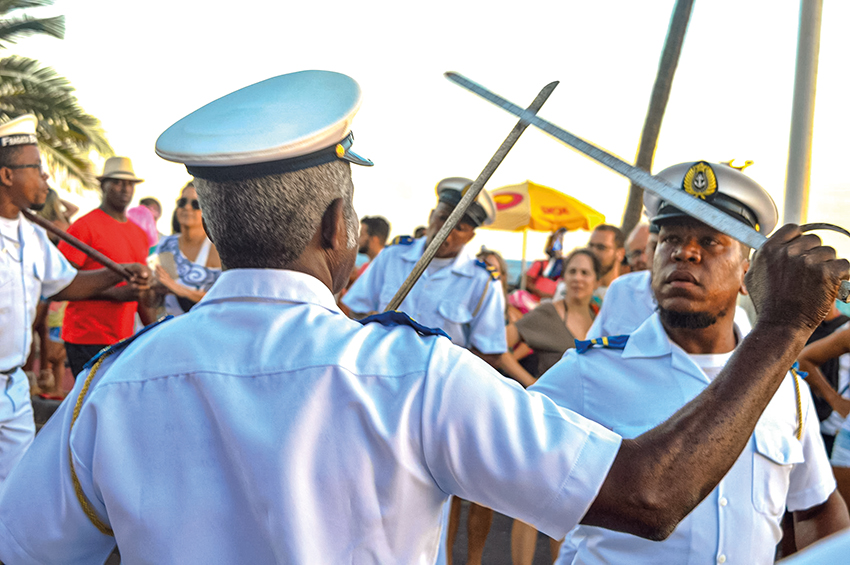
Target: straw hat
(119, 168)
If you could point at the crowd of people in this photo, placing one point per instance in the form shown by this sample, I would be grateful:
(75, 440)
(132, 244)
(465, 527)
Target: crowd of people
(185, 265)
(620, 401)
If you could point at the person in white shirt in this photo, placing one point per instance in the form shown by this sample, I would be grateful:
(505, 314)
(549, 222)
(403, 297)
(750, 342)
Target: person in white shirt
(265, 426)
(632, 383)
(30, 268)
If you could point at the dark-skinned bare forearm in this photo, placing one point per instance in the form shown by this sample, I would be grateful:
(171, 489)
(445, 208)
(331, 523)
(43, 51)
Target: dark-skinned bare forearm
(820, 521)
(88, 285)
(660, 476)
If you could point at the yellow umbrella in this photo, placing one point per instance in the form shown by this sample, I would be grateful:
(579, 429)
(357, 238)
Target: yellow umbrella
(530, 206)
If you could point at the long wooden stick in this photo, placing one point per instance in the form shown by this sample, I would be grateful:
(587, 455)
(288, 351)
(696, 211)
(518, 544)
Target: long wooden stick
(73, 241)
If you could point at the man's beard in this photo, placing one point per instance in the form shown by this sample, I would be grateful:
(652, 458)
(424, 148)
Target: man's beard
(37, 207)
(687, 320)
(363, 248)
(606, 269)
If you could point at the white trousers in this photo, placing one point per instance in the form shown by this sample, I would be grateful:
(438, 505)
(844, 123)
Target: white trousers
(17, 426)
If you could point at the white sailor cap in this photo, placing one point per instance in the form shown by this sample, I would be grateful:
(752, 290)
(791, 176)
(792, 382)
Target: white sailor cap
(20, 131)
(723, 187)
(282, 124)
(481, 212)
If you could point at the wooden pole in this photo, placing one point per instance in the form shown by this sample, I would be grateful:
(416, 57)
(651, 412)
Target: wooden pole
(73, 241)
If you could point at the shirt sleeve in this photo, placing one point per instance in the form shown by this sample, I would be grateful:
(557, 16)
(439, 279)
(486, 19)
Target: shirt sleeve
(812, 481)
(41, 519)
(364, 295)
(58, 271)
(487, 329)
(487, 440)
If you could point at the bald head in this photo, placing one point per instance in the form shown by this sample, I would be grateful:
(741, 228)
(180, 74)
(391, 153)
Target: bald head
(636, 248)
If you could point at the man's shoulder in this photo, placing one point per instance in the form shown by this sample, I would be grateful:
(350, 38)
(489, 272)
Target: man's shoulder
(640, 280)
(402, 240)
(397, 248)
(492, 271)
(91, 217)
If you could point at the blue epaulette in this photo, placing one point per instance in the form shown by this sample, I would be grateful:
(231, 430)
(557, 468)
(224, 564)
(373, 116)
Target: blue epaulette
(795, 369)
(396, 318)
(494, 272)
(119, 346)
(612, 342)
(402, 240)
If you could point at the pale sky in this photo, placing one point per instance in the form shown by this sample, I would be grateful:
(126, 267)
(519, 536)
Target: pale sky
(140, 67)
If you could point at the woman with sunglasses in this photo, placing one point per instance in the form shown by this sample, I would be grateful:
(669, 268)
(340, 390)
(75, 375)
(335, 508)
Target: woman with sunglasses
(196, 264)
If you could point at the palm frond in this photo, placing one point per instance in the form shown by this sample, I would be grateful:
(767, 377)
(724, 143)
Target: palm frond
(66, 132)
(12, 29)
(7, 6)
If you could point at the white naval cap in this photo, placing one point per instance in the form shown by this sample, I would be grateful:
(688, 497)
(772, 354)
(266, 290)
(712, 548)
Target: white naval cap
(481, 212)
(282, 124)
(720, 185)
(20, 131)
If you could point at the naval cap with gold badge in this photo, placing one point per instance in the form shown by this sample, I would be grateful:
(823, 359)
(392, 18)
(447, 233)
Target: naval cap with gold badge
(20, 131)
(283, 124)
(482, 212)
(722, 186)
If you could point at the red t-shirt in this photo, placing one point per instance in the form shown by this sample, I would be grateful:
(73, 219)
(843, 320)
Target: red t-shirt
(102, 322)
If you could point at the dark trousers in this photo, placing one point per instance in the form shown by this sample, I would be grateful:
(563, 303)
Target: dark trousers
(79, 354)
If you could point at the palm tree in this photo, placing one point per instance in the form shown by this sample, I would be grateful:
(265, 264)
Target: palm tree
(66, 133)
(657, 105)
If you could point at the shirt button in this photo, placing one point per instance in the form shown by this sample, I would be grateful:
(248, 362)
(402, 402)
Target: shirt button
(721, 559)
(723, 502)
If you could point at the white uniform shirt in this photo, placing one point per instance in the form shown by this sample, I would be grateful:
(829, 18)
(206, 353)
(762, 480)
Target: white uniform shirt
(264, 426)
(629, 301)
(633, 390)
(463, 299)
(30, 267)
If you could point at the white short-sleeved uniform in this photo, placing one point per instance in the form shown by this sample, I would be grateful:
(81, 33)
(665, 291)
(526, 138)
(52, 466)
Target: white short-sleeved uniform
(633, 390)
(630, 301)
(462, 299)
(264, 426)
(30, 267)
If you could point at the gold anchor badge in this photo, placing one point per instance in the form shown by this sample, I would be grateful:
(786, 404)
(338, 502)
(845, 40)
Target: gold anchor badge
(700, 180)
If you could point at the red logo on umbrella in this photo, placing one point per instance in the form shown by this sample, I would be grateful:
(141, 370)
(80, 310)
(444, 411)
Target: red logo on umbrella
(507, 200)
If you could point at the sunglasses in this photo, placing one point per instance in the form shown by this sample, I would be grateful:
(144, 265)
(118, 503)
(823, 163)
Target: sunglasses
(195, 204)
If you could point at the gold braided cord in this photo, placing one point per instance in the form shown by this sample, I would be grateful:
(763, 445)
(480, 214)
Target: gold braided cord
(78, 489)
(483, 294)
(799, 403)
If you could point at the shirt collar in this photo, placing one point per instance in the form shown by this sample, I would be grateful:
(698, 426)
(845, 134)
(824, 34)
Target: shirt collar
(464, 263)
(272, 285)
(651, 340)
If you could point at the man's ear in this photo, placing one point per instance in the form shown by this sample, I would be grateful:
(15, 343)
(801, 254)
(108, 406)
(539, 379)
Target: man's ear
(333, 229)
(6, 176)
(621, 254)
(746, 267)
(207, 231)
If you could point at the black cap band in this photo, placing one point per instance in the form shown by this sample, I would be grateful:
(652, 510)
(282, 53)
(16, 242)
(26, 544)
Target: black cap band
(253, 170)
(724, 203)
(475, 214)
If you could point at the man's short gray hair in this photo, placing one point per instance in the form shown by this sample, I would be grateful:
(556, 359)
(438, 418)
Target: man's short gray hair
(267, 222)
